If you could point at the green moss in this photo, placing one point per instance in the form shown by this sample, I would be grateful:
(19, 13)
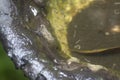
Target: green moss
(7, 68)
(60, 14)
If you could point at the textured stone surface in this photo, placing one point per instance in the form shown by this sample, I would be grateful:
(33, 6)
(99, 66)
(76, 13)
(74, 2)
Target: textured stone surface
(30, 53)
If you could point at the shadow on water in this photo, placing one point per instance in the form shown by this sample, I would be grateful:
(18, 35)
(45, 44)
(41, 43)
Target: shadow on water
(109, 58)
(91, 30)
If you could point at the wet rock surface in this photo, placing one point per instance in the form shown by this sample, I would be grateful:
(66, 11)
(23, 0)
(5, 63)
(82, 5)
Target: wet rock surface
(29, 52)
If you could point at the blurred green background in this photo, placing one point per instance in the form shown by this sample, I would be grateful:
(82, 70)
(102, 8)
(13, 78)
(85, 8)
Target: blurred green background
(7, 68)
